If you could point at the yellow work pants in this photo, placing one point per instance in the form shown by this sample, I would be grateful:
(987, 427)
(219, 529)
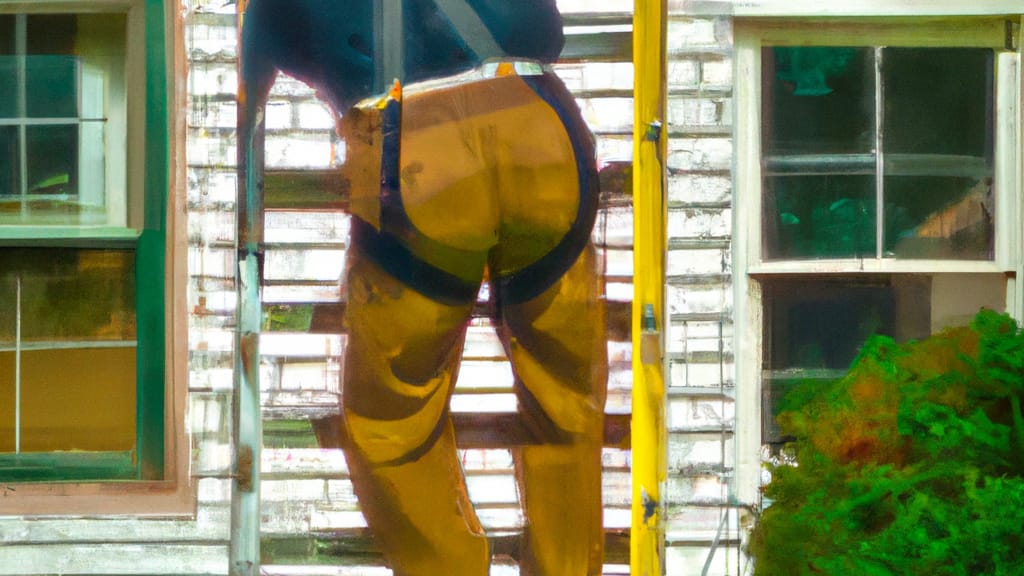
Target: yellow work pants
(495, 180)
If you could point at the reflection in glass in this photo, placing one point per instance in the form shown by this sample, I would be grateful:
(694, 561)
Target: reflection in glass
(818, 217)
(818, 117)
(817, 100)
(814, 328)
(936, 217)
(67, 319)
(8, 68)
(10, 183)
(51, 67)
(938, 143)
(52, 159)
(71, 294)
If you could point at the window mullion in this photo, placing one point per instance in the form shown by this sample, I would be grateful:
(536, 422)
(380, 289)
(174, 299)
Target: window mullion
(17, 365)
(879, 153)
(20, 49)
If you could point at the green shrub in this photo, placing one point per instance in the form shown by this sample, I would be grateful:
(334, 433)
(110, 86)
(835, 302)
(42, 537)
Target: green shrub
(910, 464)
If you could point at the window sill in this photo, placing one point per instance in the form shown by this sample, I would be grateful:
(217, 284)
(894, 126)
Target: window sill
(14, 234)
(65, 466)
(165, 499)
(876, 265)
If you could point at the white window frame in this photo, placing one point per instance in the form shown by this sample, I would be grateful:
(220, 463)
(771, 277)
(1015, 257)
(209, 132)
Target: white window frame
(900, 28)
(126, 140)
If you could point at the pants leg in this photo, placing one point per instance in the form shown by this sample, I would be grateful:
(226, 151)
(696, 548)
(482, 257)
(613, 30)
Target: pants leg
(558, 349)
(400, 365)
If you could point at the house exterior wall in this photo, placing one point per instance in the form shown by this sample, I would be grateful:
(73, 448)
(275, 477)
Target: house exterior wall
(300, 135)
(702, 532)
(714, 314)
(194, 542)
(705, 519)
(304, 490)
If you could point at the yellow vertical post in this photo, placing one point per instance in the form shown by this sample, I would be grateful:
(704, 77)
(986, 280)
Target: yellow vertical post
(649, 432)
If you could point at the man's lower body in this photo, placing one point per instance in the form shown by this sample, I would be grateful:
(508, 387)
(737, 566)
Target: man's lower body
(487, 179)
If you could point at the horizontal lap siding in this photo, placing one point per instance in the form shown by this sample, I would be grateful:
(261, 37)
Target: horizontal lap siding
(196, 545)
(310, 515)
(702, 533)
(121, 558)
(212, 49)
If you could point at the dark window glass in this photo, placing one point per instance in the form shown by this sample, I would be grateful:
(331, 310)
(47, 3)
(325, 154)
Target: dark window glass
(51, 78)
(52, 159)
(818, 216)
(8, 68)
(820, 159)
(938, 101)
(938, 145)
(9, 163)
(821, 322)
(818, 100)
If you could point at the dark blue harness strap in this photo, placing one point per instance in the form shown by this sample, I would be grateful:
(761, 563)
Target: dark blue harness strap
(397, 260)
(533, 280)
(388, 250)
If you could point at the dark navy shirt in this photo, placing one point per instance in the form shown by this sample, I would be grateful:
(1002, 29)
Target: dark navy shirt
(329, 43)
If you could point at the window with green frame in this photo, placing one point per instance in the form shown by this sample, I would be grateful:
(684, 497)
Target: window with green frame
(83, 190)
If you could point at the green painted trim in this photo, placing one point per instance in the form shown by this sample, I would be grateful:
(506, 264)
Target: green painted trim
(150, 264)
(68, 233)
(67, 466)
(150, 245)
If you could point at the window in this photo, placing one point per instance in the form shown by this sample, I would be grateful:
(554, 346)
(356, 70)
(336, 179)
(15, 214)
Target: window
(877, 152)
(814, 325)
(876, 192)
(62, 88)
(83, 243)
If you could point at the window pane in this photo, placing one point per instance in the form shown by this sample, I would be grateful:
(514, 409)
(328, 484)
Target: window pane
(75, 349)
(938, 146)
(50, 84)
(818, 217)
(818, 116)
(814, 326)
(67, 173)
(52, 159)
(9, 168)
(8, 68)
(817, 101)
(939, 217)
(71, 127)
(821, 322)
(938, 101)
(51, 74)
